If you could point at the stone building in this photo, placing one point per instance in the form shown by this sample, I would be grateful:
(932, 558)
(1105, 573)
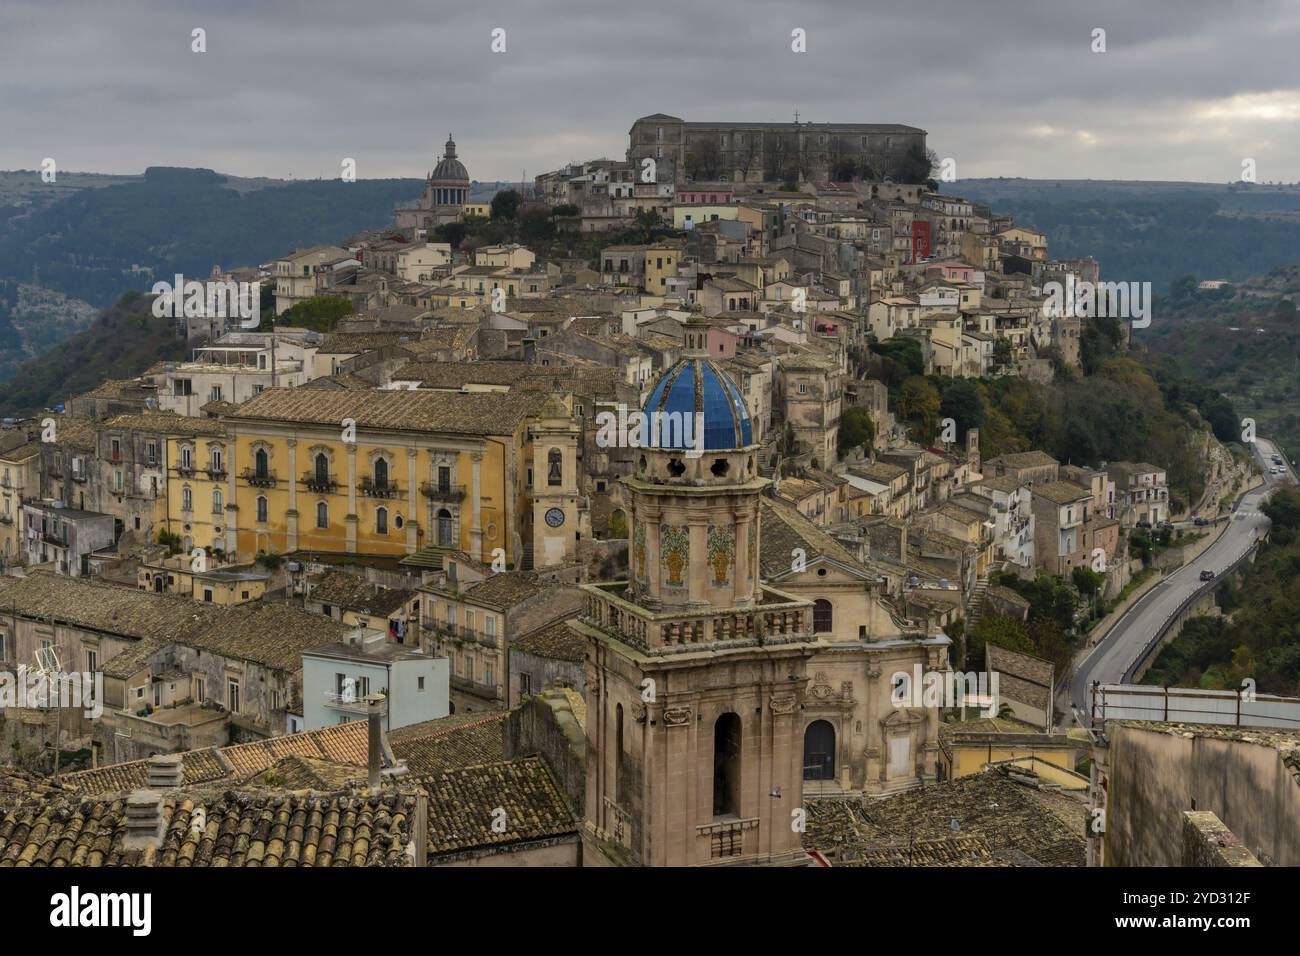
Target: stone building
(446, 192)
(757, 152)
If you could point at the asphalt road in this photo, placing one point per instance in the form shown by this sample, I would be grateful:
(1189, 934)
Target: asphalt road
(1126, 640)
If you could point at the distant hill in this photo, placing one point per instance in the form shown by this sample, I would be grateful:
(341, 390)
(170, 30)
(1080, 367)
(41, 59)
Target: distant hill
(97, 243)
(1241, 340)
(1153, 231)
(122, 342)
(77, 244)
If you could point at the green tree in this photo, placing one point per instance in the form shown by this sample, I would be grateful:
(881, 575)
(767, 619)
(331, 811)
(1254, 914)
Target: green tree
(918, 402)
(505, 205)
(999, 629)
(856, 428)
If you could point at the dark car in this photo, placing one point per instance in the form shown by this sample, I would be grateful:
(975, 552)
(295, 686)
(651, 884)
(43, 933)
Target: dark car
(1144, 524)
(1207, 575)
(1201, 522)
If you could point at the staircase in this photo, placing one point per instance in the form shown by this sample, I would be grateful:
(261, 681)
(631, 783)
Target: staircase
(975, 605)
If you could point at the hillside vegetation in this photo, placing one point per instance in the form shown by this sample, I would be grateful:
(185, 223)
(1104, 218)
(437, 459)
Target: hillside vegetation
(122, 342)
(1259, 638)
(1154, 232)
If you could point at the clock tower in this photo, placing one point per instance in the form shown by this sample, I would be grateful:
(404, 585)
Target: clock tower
(555, 485)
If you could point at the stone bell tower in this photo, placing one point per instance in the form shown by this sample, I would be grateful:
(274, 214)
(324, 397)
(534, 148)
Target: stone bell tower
(695, 670)
(555, 485)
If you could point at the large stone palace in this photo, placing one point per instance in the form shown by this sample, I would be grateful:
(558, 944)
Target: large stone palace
(754, 152)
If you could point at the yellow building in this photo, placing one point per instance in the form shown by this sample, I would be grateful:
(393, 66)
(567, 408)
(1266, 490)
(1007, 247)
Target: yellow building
(511, 256)
(965, 747)
(20, 479)
(381, 472)
(662, 262)
(198, 462)
(227, 585)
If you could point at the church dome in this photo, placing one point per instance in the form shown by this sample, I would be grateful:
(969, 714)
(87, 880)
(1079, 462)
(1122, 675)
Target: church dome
(697, 385)
(449, 168)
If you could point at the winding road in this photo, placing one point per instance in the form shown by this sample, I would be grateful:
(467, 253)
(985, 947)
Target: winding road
(1112, 657)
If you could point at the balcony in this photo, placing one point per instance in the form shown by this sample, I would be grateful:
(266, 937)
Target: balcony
(6, 519)
(370, 489)
(347, 703)
(438, 492)
(780, 618)
(216, 474)
(320, 485)
(257, 479)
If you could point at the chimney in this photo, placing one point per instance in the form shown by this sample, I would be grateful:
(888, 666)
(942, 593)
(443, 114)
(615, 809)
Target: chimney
(165, 772)
(144, 821)
(376, 708)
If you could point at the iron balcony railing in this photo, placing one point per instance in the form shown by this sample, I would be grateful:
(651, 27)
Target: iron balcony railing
(264, 479)
(440, 492)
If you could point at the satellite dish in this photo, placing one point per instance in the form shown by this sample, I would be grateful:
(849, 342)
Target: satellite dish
(47, 660)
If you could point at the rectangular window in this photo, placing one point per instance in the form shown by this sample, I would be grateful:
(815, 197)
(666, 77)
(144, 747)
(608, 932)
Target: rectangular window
(232, 695)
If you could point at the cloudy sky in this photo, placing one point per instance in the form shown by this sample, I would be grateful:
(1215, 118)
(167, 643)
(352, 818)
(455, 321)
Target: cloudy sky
(1186, 89)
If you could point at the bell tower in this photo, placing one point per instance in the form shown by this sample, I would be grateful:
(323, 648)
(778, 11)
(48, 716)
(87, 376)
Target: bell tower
(695, 670)
(555, 485)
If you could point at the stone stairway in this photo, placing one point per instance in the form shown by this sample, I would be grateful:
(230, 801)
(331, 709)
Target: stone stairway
(975, 605)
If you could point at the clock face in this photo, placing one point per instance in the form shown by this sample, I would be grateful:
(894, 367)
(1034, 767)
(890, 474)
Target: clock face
(554, 517)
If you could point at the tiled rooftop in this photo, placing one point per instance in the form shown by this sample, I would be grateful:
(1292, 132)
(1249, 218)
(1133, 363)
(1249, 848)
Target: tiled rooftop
(462, 804)
(477, 413)
(214, 827)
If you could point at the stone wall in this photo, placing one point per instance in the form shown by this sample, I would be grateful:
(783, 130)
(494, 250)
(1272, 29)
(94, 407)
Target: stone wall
(547, 725)
(1207, 842)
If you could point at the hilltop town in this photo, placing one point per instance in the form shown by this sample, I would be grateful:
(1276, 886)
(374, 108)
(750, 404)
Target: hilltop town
(594, 525)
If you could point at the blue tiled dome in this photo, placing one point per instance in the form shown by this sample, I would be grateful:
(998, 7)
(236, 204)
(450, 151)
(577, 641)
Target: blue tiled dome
(697, 385)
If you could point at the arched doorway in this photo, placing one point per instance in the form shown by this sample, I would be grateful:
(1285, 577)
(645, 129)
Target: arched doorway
(819, 751)
(444, 527)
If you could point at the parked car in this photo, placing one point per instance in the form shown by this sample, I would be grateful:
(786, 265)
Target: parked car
(1207, 575)
(1201, 522)
(1144, 524)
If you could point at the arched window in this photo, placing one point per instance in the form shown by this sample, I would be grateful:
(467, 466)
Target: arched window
(261, 508)
(216, 501)
(554, 467)
(381, 521)
(381, 472)
(261, 464)
(726, 765)
(819, 751)
(322, 515)
(823, 617)
(444, 527)
(322, 468)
